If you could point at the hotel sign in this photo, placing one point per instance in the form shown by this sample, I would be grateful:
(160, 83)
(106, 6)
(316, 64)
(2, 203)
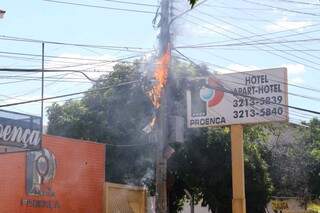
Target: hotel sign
(19, 132)
(238, 98)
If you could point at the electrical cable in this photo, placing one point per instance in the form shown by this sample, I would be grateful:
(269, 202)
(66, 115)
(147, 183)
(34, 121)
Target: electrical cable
(67, 95)
(253, 43)
(265, 34)
(101, 7)
(132, 3)
(299, 2)
(286, 83)
(108, 47)
(285, 57)
(259, 99)
(281, 8)
(46, 71)
(291, 54)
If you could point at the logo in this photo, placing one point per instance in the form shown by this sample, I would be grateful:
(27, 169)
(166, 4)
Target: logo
(216, 91)
(41, 168)
(205, 93)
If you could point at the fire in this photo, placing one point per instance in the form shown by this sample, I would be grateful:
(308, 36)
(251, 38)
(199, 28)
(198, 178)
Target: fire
(160, 76)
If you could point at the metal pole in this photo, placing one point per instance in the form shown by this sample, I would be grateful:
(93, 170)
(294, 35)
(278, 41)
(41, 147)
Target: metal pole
(238, 181)
(161, 161)
(42, 88)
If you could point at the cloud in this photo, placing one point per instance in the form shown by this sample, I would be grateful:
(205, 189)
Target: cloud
(295, 71)
(285, 24)
(205, 30)
(236, 68)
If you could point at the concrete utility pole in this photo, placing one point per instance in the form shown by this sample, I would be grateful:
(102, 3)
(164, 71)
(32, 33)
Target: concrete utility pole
(161, 162)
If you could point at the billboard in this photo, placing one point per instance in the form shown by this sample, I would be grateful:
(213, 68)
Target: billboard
(238, 98)
(67, 175)
(19, 132)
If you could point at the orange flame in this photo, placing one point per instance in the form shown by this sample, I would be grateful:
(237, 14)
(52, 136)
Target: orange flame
(160, 76)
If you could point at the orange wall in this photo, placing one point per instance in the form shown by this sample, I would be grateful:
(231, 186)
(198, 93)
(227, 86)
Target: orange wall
(78, 181)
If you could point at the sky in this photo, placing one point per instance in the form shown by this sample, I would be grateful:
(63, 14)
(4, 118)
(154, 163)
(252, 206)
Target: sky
(227, 36)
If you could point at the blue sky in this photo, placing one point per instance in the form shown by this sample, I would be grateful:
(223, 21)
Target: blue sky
(217, 22)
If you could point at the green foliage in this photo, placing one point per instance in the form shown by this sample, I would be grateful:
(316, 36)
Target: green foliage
(313, 139)
(65, 120)
(288, 160)
(193, 2)
(292, 155)
(114, 116)
(203, 166)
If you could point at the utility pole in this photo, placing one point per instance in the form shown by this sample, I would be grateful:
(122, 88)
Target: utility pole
(162, 139)
(42, 85)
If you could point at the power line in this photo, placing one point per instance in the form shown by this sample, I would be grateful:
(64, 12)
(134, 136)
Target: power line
(131, 82)
(109, 47)
(101, 7)
(290, 84)
(131, 3)
(264, 34)
(298, 2)
(264, 50)
(56, 57)
(46, 71)
(282, 56)
(186, 11)
(281, 8)
(306, 53)
(62, 68)
(254, 43)
(237, 8)
(68, 58)
(68, 95)
(66, 80)
(38, 89)
(101, 63)
(256, 98)
(285, 45)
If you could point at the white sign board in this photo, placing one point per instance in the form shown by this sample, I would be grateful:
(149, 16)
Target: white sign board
(238, 98)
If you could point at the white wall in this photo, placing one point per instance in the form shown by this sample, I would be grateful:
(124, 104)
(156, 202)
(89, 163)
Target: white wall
(197, 209)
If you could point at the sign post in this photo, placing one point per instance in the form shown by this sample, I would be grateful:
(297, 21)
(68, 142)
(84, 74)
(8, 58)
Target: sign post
(238, 180)
(233, 100)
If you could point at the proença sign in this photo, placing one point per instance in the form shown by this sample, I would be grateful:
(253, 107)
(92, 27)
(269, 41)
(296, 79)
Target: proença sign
(18, 136)
(19, 132)
(238, 98)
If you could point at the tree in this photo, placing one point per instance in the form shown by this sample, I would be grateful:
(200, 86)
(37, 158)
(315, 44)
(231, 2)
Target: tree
(313, 140)
(292, 155)
(203, 167)
(115, 116)
(288, 159)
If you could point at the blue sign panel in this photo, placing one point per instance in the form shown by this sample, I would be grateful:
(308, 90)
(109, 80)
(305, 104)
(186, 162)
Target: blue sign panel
(19, 132)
